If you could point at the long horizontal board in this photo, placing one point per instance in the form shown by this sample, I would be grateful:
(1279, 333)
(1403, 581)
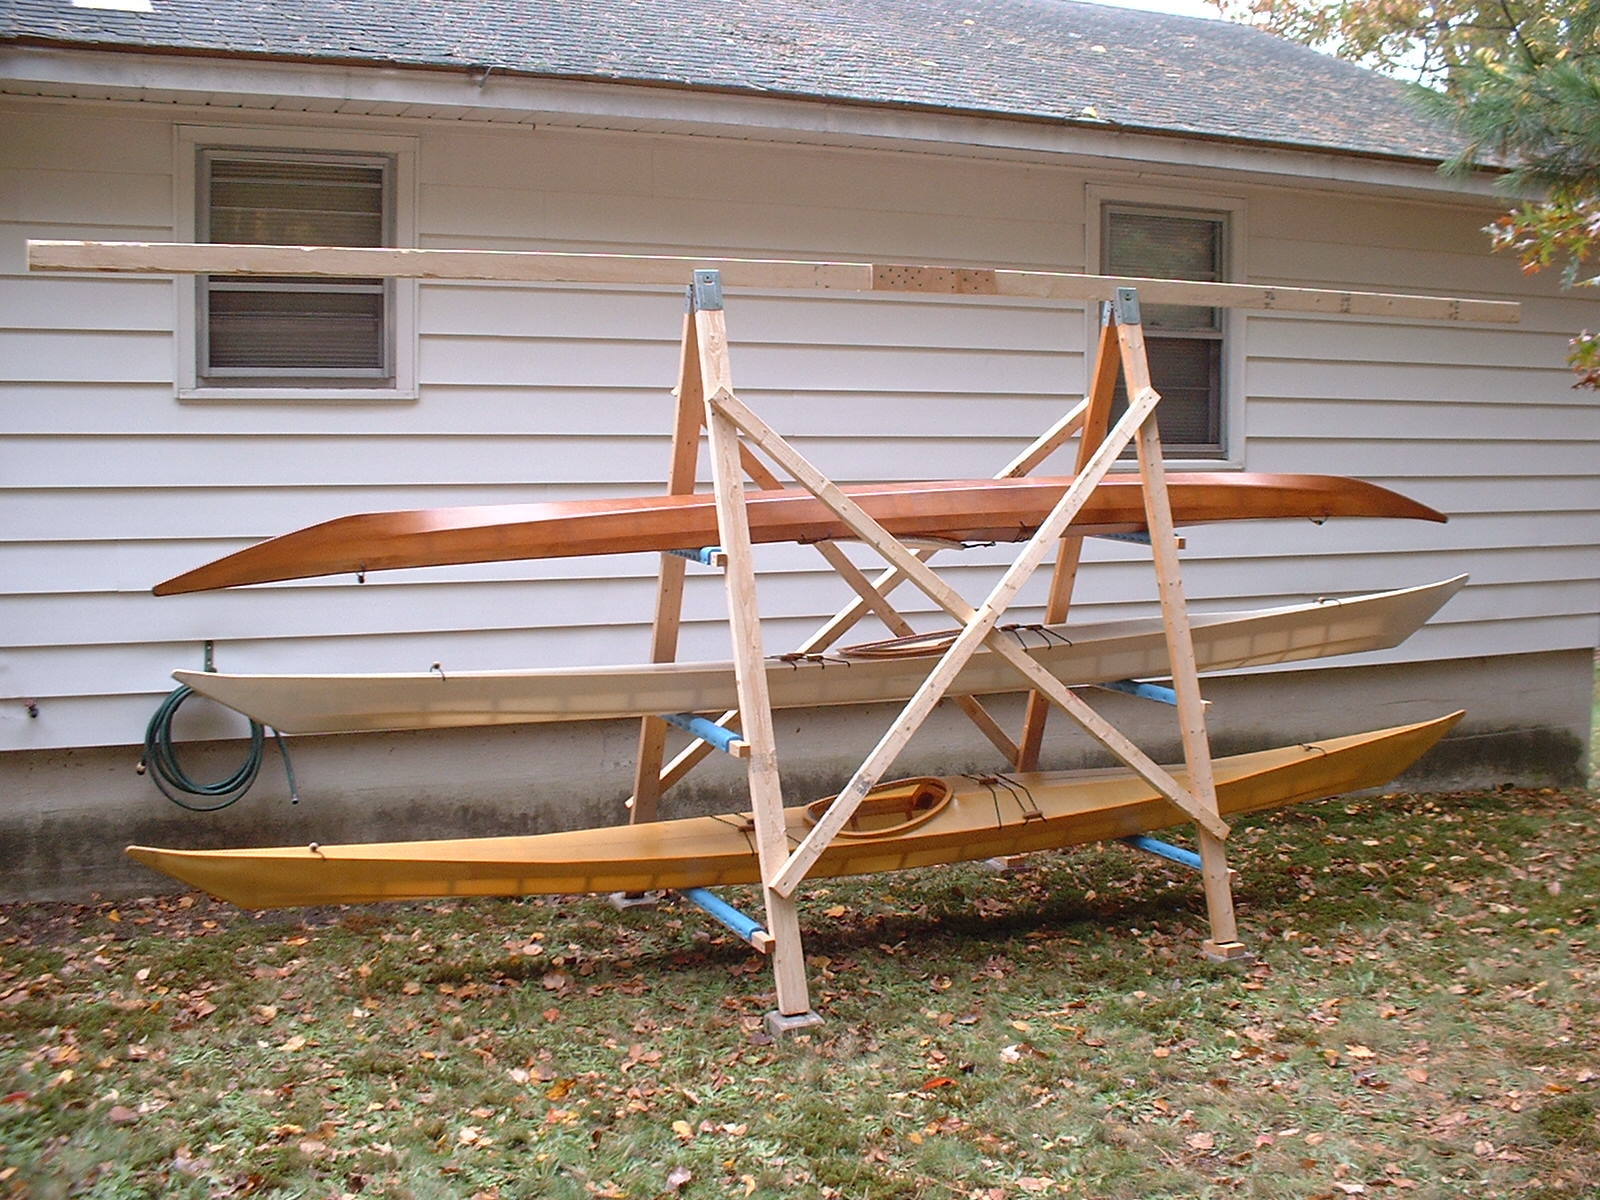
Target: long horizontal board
(949, 819)
(537, 266)
(963, 509)
(1074, 654)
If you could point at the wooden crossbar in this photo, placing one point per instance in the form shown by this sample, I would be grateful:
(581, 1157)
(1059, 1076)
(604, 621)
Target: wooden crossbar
(526, 266)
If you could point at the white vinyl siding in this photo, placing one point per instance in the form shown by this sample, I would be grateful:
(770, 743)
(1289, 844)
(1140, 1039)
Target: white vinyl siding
(109, 484)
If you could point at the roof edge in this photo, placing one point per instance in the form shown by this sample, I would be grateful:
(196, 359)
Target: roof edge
(477, 77)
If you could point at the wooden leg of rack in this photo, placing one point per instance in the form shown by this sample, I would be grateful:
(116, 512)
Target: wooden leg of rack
(1180, 651)
(755, 708)
(1096, 411)
(647, 778)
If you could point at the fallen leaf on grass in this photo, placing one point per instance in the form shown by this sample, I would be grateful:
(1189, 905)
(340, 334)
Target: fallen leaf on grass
(684, 1130)
(1033, 1183)
(1201, 1141)
(677, 1177)
(1359, 1051)
(297, 1042)
(121, 1114)
(938, 1081)
(181, 1161)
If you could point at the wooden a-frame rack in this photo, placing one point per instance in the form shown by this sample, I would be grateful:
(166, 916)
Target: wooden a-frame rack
(706, 399)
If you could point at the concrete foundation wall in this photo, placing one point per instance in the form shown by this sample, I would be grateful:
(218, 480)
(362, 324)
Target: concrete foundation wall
(67, 814)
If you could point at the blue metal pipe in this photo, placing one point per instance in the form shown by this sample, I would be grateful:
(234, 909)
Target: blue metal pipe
(706, 556)
(1166, 850)
(716, 907)
(1145, 691)
(706, 731)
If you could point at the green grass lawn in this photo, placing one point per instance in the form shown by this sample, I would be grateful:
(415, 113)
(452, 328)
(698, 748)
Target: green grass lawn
(1423, 1020)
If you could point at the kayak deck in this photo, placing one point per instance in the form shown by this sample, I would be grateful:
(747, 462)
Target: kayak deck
(969, 509)
(977, 817)
(1075, 654)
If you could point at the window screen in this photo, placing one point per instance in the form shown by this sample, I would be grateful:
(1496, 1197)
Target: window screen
(1184, 342)
(292, 330)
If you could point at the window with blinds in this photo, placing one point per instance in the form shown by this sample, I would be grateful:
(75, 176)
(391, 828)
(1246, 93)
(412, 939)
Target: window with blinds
(280, 331)
(1184, 342)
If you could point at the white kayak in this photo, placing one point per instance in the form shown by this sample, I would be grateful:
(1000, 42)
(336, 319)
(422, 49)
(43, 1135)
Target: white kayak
(1075, 654)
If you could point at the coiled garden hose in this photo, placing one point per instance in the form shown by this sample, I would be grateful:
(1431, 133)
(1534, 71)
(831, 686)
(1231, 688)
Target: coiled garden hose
(161, 760)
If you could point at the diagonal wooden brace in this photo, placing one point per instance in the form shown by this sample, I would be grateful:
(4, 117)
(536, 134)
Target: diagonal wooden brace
(885, 582)
(877, 603)
(979, 623)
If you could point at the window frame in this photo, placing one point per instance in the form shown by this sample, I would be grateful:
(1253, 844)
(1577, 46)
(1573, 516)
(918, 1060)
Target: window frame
(1230, 211)
(398, 154)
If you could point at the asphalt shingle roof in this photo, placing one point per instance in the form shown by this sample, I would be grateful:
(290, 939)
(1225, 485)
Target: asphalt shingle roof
(1054, 60)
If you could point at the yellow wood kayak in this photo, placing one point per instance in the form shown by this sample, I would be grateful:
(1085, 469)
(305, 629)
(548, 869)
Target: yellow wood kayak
(909, 823)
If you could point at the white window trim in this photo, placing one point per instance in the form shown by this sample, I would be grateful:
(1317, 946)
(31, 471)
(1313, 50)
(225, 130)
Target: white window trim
(189, 140)
(1100, 196)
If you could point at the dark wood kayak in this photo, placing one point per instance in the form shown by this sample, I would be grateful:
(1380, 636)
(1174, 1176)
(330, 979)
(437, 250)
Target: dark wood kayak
(963, 509)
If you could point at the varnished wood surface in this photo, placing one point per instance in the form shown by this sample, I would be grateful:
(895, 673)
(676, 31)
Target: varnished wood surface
(1008, 815)
(969, 509)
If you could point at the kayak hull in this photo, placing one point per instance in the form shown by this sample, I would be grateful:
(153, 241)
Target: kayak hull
(1078, 654)
(983, 816)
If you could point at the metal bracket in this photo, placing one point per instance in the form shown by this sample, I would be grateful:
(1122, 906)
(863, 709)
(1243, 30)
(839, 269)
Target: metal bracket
(706, 294)
(210, 653)
(1126, 306)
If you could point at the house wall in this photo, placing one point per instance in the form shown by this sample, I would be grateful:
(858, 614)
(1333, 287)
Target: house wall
(111, 483)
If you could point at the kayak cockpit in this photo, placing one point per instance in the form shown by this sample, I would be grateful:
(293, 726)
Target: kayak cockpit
(889, 809)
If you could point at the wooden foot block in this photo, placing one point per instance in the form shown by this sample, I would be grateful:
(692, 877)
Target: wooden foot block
(1008, 864)
(1231, 953)
(781, 1024)
(625, 900)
